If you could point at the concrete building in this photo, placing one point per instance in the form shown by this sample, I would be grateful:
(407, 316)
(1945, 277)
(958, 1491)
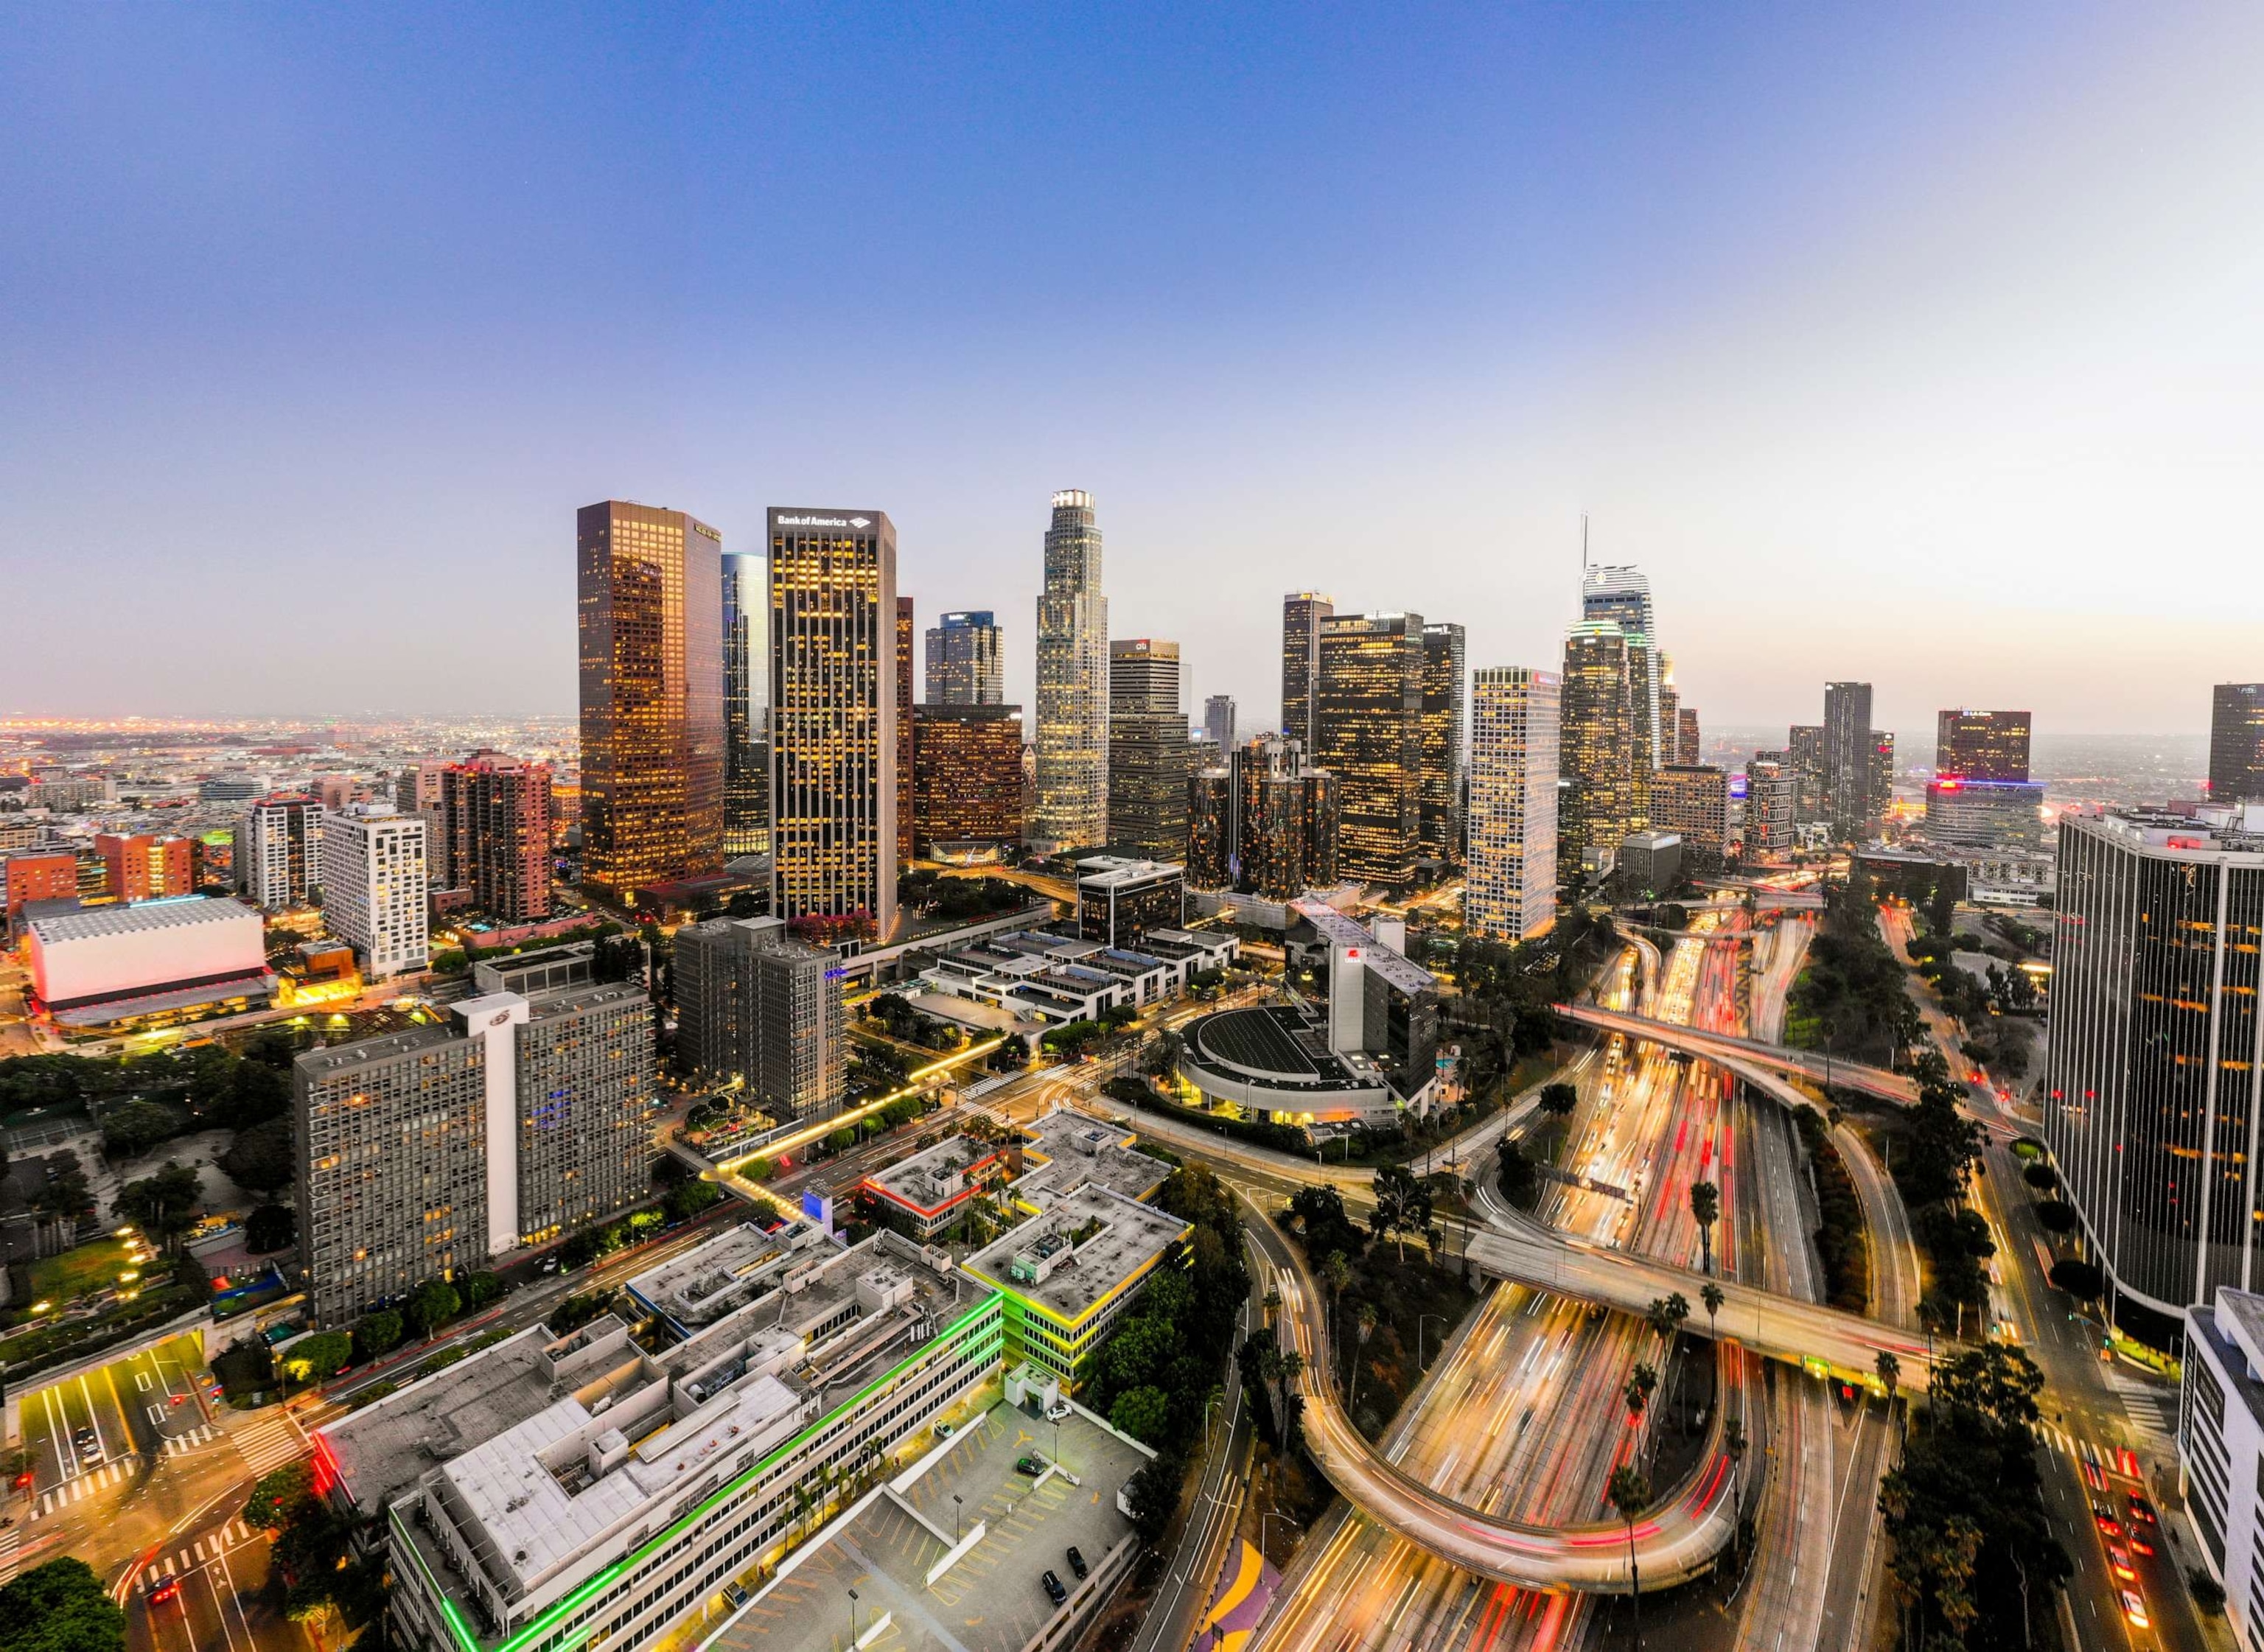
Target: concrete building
(554, 1491)
(1510, 893)
(1981, 745)
(1055, 979)
(1066, 1277)
(1072, 733)
(836, 648)
(1772, 804)
(1803, 750)
(373, 887)
(907, 637)
(2221, 1451)
(1984, 813)
(1120, 899)
(966, 661)
(1367, 718)
(754, 1006)
(967, 774)
(496, 816)
(140, 866)
(1219, 721)
(1302, 614)
(437, 1148)
(30, 875)
(1148, 754)
(1649, 863)
(1692, 800)
(151, 964)
(924, 1195)
(1596, 753)
(650, 594)
(1687, 741)
(1446, 680)
(2152, 1073)
(278, 850)
(1620, 596)
(746, 704)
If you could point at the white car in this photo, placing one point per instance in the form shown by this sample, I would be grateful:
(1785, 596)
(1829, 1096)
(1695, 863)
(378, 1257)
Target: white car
(1057, 1411)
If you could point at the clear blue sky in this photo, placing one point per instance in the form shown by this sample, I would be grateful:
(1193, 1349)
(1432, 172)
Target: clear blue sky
(1918, 344)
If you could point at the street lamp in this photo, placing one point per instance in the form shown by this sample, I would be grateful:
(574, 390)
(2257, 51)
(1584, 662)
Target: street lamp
(853, 1621)
(957, 1504)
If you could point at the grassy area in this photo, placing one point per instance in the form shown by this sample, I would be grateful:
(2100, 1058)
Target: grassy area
(87, 1267)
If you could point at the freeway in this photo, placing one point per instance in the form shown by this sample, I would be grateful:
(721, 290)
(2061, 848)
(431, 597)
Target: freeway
(1824, 1070)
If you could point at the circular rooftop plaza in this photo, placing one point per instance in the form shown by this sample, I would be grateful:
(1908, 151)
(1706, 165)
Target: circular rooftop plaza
(1276, 1061)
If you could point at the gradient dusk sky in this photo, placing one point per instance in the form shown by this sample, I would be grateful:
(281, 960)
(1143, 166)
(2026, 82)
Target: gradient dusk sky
(1917, 344)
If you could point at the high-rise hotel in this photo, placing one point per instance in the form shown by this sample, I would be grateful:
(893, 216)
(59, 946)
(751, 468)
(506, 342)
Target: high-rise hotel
(651, 611)
(1072, 735)
(833, 715)
(1512, 889)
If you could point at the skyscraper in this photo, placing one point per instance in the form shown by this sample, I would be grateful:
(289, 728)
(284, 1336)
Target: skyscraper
(1368, 721)
(1511, 892)
(1670, 710)
(967, 774)
(1444, 679)
(746, 704)
(1982, 745)
(1772, 804)
(1210, 827)
(2236, 743)
(965, 666)
(651, 623)
(1218, 722)
(1692, 800)
(1685, 734)
(495, 816)
(1622, 595)
(1149, 754)
(374, 893)
(753, 1003)
(1072, 734)
(1594, 743)
(278, 850)
(1302, 613)
(1803, 752)
(1282, 830)
(1849, 755)
(834, 628)
(905, 638)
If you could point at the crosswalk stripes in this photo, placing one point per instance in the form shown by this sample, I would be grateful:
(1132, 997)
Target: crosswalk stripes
(84, 1485)
(202, 1552)
(203, 1433)
(10, 1539)
(270, 1441)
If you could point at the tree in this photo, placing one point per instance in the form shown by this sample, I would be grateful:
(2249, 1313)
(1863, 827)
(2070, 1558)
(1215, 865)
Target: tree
(1629, 1494)
(430, 1306)
(1144, 1413)
(1706, 1210)
(2056, 1215)
(137, 1126)
(317, 1357)
(480, 1289)
(1153, 1496)
(60, 1606)
(1515, 1176)
(161, 1203)
(269, 1227)
(687, 1199)
(1364, 1318)
(1403, 1205)
(2083, 1280)
(260, 1157)
(1558, 1099)
(1161, 1059)
(1640, 1387)
(1712, 1296)
(376, 1333)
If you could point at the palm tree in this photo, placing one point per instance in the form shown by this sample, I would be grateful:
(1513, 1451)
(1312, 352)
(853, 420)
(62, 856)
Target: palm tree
(1335, 1273)
(1364, 1318)
(1630, 1495)
(1706, 1210)
(1890, 1370)
(1710, 1294)
(1291, 1366)
(1273, 1306)
(1733, 1441)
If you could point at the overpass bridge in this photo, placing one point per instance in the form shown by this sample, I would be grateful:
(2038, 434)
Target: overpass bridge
(1872, 1081)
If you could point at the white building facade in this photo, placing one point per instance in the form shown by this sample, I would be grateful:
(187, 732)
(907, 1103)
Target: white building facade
(372, 881)
(1511, 894)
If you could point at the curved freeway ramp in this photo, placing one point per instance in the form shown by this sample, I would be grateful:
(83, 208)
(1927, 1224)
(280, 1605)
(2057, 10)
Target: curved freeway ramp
(1724, 1047)
(1674, 1541)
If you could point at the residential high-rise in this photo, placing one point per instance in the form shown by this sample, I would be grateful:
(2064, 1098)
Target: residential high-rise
(1445, 682)
(651, 622)
(966, 666)
(1848, 756)
(417, 791)
(1692, 800)
(1284, 838)
(138, 867)
(278, 850)
(1218, 722)
(1368, 721)
(752, 1004)
(1148, 756)
(1772, 804)
(372, 883)
(1511, 890)
(2236, 742)
(1982, 745)
(967, 774)
(1302, 613)
(1072, 732)
(1621, 595)
(1804, 750)
(1670, 711)
(2152, 1073)
(746, 704)
(1686, 735)
(834, 682)
(905, 638)
(1880, 789)
(428, 1151)
(1595, 751)
(495, 814)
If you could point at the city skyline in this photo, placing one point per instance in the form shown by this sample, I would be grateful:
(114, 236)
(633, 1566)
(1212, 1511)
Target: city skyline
(1740, 425)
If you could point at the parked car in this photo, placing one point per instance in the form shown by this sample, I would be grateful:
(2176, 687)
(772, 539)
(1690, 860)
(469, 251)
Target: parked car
(736, 1594)
(1058, 1411)
(1055, 1592)
(1031, 1466)
(1076, 1563)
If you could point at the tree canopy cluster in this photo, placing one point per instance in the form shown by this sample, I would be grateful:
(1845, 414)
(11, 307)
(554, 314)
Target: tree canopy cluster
(313, 1550)
(1850, 999)
(61, 1606)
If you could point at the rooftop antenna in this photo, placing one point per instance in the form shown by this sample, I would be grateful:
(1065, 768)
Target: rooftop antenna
(1584, 542)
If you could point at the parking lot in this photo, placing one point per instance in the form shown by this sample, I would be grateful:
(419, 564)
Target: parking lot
(86, 1431)
(993, 1600)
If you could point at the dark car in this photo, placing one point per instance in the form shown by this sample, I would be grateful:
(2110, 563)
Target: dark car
(1031, 1466)
(1076, 1563)
(1055, 1592)
(2141, 1510)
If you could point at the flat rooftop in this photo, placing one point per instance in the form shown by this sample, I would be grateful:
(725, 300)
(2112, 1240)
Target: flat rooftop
(320, 1063)
(1074, 1148)
(1086, 1247)
(1260, 1041)
(931, 1179)
(723, 1275)
(98, 922)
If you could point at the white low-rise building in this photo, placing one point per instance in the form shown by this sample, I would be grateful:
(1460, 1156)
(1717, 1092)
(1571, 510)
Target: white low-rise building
(2221, 1451)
